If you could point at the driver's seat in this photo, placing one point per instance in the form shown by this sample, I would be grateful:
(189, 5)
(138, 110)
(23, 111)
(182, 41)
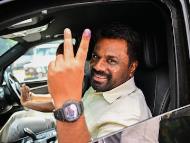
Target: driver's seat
(152, 75)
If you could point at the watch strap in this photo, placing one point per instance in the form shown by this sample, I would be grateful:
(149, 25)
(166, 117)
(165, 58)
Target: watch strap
(58, 114)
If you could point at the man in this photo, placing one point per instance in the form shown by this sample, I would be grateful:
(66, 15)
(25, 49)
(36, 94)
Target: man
(113, 97)
(113, 65)
(113, 102)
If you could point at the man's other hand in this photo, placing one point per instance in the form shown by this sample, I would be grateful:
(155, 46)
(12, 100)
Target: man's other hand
(25, 94)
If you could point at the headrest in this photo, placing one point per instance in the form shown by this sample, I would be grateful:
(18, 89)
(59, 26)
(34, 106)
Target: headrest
(153, 52)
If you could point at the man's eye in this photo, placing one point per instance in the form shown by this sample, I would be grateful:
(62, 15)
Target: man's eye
(112, 62)
(94, 56)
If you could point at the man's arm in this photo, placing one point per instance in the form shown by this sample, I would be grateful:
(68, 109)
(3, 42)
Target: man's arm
(37, 102)
(68, 68)
(40, 106)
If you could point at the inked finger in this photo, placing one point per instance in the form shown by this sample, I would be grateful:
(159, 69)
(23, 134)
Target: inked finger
(68, 45)
(83, 48)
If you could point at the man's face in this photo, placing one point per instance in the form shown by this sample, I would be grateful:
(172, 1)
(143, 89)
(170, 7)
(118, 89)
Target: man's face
(109, 64)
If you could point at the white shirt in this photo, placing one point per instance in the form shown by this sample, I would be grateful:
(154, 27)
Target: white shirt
(110, 111)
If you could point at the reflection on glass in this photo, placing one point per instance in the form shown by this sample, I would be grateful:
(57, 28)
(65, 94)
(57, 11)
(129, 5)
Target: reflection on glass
(170, 127)
(176, 128)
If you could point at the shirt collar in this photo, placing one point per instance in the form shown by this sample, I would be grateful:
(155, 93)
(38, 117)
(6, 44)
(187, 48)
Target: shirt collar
(122, 90)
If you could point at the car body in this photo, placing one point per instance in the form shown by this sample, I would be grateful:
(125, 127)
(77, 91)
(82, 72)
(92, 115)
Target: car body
(164, 60)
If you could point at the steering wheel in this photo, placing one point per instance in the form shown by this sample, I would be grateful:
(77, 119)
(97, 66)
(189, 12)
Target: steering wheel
(14, 87)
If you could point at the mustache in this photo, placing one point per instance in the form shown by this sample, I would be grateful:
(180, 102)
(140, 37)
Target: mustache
(101, 73)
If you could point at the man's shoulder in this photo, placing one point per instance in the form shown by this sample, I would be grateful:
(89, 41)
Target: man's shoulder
(135, 100)
(134, 94)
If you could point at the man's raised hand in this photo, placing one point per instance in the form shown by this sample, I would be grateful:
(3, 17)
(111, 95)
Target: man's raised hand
(66, 72)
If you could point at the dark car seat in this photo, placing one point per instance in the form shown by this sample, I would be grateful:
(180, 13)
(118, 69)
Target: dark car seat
(152, 75)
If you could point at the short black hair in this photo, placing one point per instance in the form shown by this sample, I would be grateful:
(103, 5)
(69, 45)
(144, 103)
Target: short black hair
(121, 31)
(60, 49)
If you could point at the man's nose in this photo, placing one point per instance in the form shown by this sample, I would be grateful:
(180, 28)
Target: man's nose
(100, 65)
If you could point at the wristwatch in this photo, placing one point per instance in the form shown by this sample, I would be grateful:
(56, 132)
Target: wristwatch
(70, 111)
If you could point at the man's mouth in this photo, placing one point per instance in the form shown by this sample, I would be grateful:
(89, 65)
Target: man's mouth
(99, 78)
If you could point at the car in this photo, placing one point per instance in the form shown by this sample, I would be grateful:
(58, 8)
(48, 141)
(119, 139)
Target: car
(164, 60)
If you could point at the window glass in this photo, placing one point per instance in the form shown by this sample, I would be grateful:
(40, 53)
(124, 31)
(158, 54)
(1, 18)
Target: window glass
(6, 44)
(33, 65)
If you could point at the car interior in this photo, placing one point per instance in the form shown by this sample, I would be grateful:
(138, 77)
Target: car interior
(157, 73)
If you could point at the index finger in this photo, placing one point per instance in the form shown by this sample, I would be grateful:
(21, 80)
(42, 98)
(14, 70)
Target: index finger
(83, 48)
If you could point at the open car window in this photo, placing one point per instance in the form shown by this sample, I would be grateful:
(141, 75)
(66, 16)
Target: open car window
(163, 68)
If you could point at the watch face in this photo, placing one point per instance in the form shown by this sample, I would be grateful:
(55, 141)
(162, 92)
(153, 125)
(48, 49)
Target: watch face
(71, 112)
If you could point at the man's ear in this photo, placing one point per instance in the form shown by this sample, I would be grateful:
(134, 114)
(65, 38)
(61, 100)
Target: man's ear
(133, 67)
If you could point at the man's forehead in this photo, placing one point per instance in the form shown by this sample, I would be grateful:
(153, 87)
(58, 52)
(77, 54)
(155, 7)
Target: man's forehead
(110, 50)
(111, 43)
